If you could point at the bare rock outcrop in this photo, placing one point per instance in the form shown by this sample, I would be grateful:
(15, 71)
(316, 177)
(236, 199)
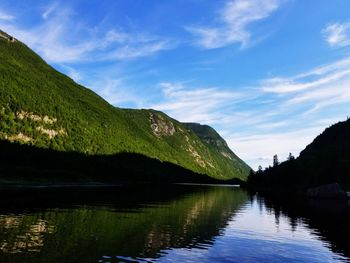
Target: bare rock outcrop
(160, 126)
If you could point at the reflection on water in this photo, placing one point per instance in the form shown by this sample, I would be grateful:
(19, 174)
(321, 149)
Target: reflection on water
(172, 224)
(17, 240)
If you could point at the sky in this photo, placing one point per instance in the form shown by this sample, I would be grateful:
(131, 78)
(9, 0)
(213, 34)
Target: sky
(268, 75)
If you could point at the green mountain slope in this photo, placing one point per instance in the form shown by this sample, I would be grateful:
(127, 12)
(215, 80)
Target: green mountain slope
(44, 108)
(325, 160)
(219, 149)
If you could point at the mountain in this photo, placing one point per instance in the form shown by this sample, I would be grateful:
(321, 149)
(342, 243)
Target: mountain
(324, 161)
(219, 148)
(45, 109)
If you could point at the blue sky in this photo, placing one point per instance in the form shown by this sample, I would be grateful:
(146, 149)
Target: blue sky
(269, 75)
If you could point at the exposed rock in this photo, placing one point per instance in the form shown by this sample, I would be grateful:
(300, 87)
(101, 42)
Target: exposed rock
(194, 153)
(333, 191)
(210, 164)
(47, 119)
(160, 126)
(19, 138)
(30, 115)
(40, 119)
(50, 132)
(227, 155)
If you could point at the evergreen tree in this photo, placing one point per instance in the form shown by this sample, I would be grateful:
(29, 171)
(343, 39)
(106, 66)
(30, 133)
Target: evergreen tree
(290, 157)
(275, 160)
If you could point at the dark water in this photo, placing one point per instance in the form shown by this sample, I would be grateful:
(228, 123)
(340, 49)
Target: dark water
(169, 224)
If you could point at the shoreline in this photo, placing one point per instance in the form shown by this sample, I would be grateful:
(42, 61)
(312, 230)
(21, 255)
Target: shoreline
(97, 185)
(48, 186)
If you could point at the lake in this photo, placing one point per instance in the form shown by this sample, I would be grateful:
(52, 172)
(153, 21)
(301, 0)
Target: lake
(169, 224)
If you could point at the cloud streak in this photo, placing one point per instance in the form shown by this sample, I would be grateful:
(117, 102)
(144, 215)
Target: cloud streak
(195, 104)
(51, 9)
(62, 38)
(234, 20)
(5, 16)
(319, 88)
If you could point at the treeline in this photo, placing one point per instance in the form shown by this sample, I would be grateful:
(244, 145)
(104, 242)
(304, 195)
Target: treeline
(326, 160)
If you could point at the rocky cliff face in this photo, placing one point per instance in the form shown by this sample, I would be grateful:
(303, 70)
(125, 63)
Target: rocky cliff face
(212, 138)
(160, 126)
(218, 145)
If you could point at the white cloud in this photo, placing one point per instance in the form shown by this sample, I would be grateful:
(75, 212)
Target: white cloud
(5, 16)
(234, 21)
(195, 104)
(337, 34)
(63, 38)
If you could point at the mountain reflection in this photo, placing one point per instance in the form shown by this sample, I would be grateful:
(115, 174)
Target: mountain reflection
(328, 220)
(169, 224)
(26, 236)
(88, 226)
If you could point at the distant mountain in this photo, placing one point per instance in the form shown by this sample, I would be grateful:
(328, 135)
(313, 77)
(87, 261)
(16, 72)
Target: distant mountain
(326, 160)
(45, 109)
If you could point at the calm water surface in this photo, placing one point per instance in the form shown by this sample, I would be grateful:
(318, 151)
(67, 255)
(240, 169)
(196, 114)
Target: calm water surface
(171, 224)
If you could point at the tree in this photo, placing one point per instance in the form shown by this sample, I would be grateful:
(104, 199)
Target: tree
(260, 169)
(275, 160)
(290, 157)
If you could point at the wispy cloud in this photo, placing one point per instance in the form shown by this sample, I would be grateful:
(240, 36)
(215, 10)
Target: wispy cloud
(5, 16)
(203, 104)
(301, 83)
(71, 72)
(321, 87)
(234, 20)
(49, 10)
(117, 92)
(62, 38)
(337, 34)
(140, 50)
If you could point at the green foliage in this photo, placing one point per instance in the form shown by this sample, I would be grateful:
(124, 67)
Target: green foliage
(219, 150)
(85, 123)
